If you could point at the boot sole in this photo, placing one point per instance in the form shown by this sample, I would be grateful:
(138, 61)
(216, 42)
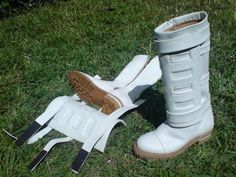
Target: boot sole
(155, 156)
(86, 89)
(111, 103)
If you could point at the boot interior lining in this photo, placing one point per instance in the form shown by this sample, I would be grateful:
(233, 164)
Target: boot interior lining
(182, 25)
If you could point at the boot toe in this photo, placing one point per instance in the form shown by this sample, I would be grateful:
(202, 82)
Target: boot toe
(150, 143)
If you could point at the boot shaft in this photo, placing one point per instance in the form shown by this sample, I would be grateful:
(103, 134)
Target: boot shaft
(149, 76)
(133, 69)
(182, 32)
(184, 45)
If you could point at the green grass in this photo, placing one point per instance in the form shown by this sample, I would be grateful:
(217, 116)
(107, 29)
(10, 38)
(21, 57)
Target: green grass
(39, 47)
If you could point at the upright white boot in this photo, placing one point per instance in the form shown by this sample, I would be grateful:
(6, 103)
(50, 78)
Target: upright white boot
(93, 90)
(127, 95)
(183, 45)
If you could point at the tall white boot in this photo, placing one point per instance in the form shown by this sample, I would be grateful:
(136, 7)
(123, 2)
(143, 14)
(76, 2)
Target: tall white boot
(93, 90)
(183, 45)
(127, 95)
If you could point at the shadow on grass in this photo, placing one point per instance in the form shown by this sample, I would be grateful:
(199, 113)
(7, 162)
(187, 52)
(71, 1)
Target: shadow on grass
(154, 109)
(9, 8)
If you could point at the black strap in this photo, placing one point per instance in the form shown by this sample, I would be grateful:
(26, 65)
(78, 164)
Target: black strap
(34, 127)
(37, 160)
(80, 160)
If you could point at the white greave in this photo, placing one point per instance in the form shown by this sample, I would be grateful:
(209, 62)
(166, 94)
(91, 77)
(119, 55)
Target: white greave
(77, 121)
(184, 59)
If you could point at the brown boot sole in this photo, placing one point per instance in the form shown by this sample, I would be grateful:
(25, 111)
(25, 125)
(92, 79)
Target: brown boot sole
(111, 104)
(155, 156)
(85, 88)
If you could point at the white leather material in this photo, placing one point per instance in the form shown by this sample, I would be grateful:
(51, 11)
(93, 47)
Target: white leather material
(52, 109)
(72, 117)
(183, 71)
(105, 85)
(126, 76)
(184, 64)
(80, 122)
(182, 79)
(149, 76)
(150, 142)
(167, 139)
(96, 133)
(39, 135)
(179, 40)
(132, 70)
(53, 142)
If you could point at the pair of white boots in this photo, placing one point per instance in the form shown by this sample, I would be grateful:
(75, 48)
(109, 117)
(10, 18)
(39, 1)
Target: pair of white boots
(183, 44)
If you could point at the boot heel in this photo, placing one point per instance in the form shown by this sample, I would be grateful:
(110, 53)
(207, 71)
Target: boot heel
(205, 138)
(110, 104)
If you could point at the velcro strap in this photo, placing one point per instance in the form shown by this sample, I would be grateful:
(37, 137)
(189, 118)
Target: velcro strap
(190, 118)
(183, 42)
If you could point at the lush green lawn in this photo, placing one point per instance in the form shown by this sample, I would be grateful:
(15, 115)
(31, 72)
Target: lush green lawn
(38, 48)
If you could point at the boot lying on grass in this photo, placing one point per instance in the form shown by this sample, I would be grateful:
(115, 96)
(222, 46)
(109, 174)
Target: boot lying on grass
(92, 90)
(124, 90)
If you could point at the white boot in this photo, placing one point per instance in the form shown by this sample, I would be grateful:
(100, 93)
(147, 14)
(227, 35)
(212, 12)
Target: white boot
(183, 45)
(93, 90)
(127, 95)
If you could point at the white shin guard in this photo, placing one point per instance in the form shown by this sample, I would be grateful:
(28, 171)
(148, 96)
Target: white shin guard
(77, 121)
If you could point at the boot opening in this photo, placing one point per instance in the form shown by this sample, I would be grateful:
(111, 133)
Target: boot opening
(182, 25)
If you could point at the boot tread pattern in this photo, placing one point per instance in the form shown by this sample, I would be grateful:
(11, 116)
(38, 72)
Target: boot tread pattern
(109, 105)
(85, 88)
